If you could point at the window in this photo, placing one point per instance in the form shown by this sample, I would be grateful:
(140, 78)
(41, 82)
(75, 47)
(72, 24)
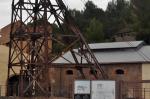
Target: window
(69, 72)
(93, 71)
(119, 72)
(13, 83)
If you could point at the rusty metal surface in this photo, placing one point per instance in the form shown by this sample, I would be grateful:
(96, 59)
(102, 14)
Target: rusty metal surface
(31, 44)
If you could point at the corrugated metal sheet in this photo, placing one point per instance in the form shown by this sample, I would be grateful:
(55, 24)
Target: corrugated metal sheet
(67, 58)
(115, 45)
(132, 55)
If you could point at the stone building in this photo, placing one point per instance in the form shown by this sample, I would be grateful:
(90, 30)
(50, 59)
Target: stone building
(4, 32)
(122, 61)
(125, 35)
(13, 81)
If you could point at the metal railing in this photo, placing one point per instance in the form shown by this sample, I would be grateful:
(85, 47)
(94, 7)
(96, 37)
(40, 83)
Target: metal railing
(63, 93)
(125, 90)
(3, 89)
(134, 90)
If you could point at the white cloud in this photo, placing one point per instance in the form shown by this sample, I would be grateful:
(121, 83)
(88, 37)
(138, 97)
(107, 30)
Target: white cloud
(102, 3)
(5, 12)
(79, 4)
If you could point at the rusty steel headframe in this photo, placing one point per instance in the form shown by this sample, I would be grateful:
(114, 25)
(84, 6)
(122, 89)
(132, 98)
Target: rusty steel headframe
(32, 40)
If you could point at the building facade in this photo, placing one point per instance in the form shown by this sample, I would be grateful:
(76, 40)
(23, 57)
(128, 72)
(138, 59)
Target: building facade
(121, 61)
(126, 62)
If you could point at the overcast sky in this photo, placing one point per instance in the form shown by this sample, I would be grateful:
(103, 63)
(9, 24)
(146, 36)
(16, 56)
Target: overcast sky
(5, 8)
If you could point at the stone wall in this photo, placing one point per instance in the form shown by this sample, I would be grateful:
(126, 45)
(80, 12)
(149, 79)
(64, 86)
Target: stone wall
(62, 83)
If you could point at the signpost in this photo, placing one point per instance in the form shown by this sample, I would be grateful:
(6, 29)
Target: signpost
(95, 89)
(82, 89)
(103, 90)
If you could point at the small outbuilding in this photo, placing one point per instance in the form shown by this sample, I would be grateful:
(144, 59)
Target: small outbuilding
(126, 62)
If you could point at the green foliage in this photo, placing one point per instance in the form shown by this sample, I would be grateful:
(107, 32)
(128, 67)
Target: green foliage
(100, 26)
(104, 24)
(85, 18)
(92, 11)
(119, 16)
(79, 19)
(142, 9)
(95, 31)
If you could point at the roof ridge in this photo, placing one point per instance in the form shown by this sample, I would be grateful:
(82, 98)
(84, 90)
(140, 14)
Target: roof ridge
(116, 45)
(117, 42)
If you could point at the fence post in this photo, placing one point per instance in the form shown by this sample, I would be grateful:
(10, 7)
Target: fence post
(144, 93)
(0, 89)
(119, 92)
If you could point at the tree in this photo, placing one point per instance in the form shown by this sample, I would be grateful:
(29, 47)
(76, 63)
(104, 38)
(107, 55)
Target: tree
(92, 11)
(79, 18)
(119, 15)
(83, 18)
(142, 9)
(94, 32)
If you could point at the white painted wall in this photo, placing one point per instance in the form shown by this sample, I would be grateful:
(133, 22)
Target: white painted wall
(4, 50)
(146, 76)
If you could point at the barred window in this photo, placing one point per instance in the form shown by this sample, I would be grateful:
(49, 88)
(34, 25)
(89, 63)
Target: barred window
(69, 72)
(119, 72)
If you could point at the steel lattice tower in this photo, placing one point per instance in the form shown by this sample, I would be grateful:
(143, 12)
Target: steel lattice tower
(33, 42)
